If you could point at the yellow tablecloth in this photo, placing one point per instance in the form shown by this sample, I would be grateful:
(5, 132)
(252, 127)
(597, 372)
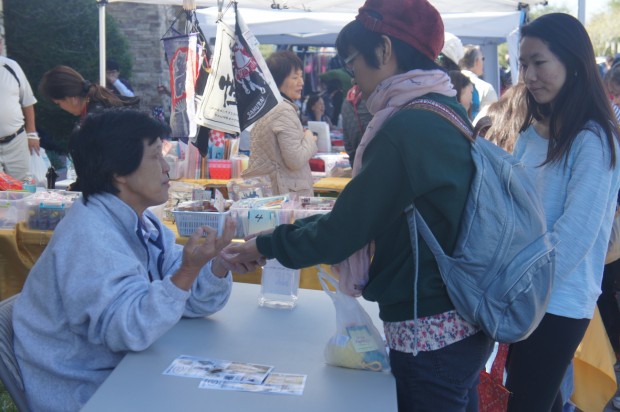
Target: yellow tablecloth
(595, 379)
(21, 247)
(13, 270)
(331, 184)
(325, 185)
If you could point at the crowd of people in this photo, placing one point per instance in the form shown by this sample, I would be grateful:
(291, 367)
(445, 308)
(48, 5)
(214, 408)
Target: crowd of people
(85, 304)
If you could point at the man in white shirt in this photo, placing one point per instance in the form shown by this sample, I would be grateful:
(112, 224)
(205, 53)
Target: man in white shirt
(18, 135)
(472, 66)
(116, 84)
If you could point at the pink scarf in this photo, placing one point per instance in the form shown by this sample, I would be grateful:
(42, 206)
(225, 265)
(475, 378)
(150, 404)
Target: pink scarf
(390, 96)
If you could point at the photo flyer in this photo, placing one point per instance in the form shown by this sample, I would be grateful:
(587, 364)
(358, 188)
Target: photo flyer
(276, 383)
(218, 370)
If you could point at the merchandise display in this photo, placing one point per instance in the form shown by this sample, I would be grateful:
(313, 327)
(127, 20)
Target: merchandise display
(12, 209)
(45, 209)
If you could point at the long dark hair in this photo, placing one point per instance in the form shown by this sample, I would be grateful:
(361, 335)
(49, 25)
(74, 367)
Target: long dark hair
(582, 97)
(63, 81)
(459, 82)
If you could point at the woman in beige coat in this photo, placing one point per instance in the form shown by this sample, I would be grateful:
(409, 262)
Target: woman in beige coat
(279, 147)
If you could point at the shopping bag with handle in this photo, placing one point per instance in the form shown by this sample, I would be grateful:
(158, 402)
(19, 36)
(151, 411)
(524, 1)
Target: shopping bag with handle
(357, 343)
(492, 394)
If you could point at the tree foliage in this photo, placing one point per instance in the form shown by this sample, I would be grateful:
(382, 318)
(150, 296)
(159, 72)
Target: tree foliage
(603, 30)
(41, 34)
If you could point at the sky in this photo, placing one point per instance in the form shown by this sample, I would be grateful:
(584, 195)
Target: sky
(592, 6)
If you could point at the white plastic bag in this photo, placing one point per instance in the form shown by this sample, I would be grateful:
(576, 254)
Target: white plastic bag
(39, 163)
(356, 344)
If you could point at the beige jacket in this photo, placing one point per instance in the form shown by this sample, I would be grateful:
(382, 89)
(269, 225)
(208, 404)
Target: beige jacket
(279, 149)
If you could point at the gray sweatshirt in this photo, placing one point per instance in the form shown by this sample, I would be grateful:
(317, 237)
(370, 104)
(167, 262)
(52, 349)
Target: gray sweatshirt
(90, 299)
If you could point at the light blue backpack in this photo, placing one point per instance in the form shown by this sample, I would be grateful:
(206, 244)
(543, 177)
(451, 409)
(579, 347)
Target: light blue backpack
(500, 274)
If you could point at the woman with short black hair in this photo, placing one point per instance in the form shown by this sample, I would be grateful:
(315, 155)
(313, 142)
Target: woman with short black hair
(279, 146)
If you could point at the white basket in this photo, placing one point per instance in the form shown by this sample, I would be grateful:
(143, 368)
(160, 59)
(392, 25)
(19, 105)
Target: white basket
(188, 222)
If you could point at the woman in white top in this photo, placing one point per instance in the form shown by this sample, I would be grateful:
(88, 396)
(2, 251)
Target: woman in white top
(570, 141)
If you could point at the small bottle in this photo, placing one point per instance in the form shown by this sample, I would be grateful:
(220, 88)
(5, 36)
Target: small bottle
(29, 183)
(279, 286)
(71, 175)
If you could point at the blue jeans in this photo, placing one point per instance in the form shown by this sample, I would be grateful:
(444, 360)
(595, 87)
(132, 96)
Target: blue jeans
(443, 380)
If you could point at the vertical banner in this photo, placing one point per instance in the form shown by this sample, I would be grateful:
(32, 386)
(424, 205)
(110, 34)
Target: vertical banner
(218, 107)
(256, 91)
(183, 56)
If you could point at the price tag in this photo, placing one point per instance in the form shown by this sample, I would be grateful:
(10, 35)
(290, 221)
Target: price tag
(361, 339)
(259, 220)
(219, 203)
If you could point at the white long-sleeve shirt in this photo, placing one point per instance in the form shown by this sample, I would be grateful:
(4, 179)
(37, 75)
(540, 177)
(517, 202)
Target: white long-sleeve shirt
(579, 198)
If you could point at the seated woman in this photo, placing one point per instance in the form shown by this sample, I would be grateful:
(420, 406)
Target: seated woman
(112, 279)
(279, 147)
(315, 111)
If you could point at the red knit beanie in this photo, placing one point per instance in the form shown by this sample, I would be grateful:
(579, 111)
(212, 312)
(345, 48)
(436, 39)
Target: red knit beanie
(415, 22)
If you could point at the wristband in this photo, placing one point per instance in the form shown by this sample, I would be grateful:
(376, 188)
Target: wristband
(33, 135)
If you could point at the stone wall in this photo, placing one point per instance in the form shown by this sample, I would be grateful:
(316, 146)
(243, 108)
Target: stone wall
(143, 25)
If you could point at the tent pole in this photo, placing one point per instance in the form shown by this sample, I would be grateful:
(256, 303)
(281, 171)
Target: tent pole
(102, 43)
(581, 12)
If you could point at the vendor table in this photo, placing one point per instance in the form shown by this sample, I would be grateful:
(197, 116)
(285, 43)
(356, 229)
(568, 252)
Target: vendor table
(21, 247)
(331, 185)
(290, 340)
(595, 380)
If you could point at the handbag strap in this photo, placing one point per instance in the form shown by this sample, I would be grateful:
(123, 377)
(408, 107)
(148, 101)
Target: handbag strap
(499, 363)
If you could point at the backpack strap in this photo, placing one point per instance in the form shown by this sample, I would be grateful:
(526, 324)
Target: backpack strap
(10, 69)
(415, 221)
(446, 112)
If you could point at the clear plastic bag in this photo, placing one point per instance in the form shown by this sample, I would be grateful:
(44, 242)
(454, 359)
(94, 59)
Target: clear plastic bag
(39, 163)
(357, 343)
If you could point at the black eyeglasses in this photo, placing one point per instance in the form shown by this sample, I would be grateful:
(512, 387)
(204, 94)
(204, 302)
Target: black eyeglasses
(347, 63)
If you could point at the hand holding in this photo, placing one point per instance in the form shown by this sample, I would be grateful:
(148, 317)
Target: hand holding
(111, 76)
(34, 146)
(199, 250)
(243, 253)
(309, 135)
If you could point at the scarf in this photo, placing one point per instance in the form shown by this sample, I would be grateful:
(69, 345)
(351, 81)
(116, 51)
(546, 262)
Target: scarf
(388, 98)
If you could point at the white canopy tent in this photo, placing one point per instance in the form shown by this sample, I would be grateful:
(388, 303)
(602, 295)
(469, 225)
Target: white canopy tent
(484, 22)
(297, 27)
(321, 28)
(444, 6)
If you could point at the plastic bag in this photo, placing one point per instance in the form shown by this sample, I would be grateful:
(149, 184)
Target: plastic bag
(356, 344)
(7, 182)
(39, 163)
